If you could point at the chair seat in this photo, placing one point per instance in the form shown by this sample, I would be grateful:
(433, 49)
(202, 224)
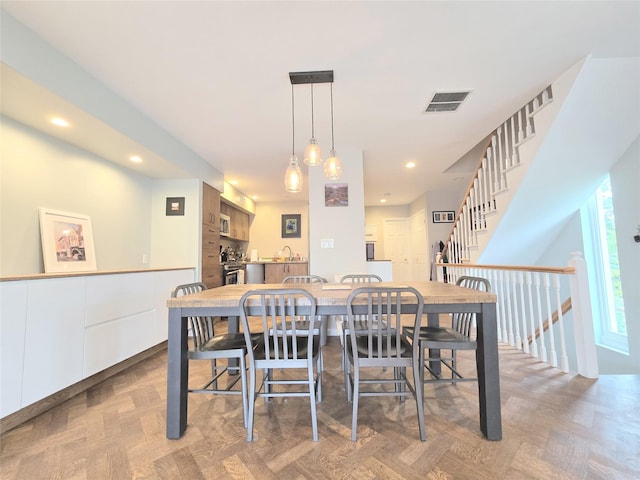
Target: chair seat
(230, 341)
(444, 337)
(362, 345)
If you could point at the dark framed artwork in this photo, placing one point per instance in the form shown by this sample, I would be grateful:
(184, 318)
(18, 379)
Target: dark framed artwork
(175, 206)
(336, 195)
(444, 217)
(291, 225)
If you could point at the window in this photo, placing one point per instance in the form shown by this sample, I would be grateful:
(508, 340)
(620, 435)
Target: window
(601, 254)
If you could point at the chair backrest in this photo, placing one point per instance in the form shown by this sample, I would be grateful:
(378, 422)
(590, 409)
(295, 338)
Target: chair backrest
(462, 322)
(361, 278)
(385, 308)
(304, 279)
(283, 341)
(201, 327)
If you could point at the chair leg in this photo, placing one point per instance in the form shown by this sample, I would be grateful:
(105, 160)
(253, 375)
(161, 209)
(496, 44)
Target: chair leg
(245, 397)
(319, 376)
(252, 402)
(418, 378)
(356, 394)
(214, 372)
(454, 366)
(312, 400)
(347, 380)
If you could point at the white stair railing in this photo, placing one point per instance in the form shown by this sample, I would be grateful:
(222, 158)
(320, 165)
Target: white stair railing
(530, 310)
(500, 156)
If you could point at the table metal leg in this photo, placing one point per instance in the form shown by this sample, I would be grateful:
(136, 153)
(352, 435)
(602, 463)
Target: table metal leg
(433, 320)
(488, 373)
(177, 374)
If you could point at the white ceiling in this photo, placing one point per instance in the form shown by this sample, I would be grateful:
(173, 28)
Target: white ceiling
(215, 75)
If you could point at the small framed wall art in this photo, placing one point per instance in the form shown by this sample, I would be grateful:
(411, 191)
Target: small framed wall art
(67, 242)
(291, 225)
(444, 217)
(336, 195)
(175, 206)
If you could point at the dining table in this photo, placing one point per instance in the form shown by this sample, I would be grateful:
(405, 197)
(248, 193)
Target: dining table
(439, 298)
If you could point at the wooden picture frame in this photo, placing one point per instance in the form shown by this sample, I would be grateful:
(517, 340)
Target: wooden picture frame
(67, 242)
(291, 225)
(444, 216)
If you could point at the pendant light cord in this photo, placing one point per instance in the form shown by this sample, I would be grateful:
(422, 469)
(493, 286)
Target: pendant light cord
(312, 122)
(332, 142)
(293, 125)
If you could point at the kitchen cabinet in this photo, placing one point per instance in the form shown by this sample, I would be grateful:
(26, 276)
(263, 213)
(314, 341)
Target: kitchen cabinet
(239, 222)
(276, 272)
(211, 271)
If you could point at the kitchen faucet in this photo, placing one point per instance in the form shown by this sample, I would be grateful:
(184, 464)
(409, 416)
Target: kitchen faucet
(290, 251)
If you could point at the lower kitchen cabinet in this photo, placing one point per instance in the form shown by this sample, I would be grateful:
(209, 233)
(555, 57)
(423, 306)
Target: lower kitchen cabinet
(277, 271)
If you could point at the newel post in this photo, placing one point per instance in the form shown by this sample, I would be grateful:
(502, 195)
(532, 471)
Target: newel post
(586, 353)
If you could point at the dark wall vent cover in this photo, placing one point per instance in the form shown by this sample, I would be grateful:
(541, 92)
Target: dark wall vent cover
(446, 101)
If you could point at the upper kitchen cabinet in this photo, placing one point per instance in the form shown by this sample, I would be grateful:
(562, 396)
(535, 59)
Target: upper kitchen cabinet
(210, 205)
(211, 269)
(238, 222)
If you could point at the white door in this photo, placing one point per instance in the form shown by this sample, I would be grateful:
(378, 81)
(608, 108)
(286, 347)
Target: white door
(397, 247)
(419, 262)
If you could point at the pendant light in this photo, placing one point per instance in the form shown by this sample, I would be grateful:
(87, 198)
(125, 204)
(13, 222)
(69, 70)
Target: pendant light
(333, 165)
(293, 175)
(312, 154)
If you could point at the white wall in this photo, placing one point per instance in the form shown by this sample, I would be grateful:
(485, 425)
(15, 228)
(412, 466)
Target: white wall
(375, 216)
(342, 225)
(266, 232)
(40, 171)
(625, 178)
(176, 239)
(443, 200)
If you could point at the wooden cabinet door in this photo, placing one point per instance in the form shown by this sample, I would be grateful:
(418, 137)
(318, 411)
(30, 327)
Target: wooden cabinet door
(211, 271)
(298, 269)
(277, 271)
(210, 206)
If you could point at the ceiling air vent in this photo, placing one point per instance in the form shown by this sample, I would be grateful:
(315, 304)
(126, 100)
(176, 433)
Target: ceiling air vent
(446, 101)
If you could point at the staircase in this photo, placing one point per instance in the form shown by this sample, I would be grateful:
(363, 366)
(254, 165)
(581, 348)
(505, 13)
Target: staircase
(540, 165)
(492, 180)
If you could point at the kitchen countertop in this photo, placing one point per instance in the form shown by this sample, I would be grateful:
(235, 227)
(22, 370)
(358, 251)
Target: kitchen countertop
(277, 261)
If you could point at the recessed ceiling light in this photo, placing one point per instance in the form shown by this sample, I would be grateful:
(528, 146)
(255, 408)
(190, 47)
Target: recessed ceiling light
(255, 197)
(135, 159)
(59, 122)
(233, 182)
(383, 200)
(410, 164)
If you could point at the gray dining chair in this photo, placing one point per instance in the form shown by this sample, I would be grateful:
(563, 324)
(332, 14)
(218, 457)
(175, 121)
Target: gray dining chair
(323, 321)
(373, 353)
(356, 278)
(457, 337)
(284, 351)
(206, 345)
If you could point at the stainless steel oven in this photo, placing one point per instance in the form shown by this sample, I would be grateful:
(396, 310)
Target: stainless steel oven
(233, 273)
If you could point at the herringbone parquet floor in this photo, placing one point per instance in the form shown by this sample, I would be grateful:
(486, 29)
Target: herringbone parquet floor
(555, 426)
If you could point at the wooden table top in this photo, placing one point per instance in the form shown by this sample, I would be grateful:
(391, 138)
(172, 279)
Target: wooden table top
(333, 293)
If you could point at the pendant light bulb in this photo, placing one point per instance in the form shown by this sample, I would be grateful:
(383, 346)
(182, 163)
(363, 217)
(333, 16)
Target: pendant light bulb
(312, 154)
(333, 166)
(293, 176)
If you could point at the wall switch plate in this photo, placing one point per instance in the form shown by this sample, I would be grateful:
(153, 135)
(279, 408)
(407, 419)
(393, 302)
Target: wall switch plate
(326, 243)
(145, 259)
